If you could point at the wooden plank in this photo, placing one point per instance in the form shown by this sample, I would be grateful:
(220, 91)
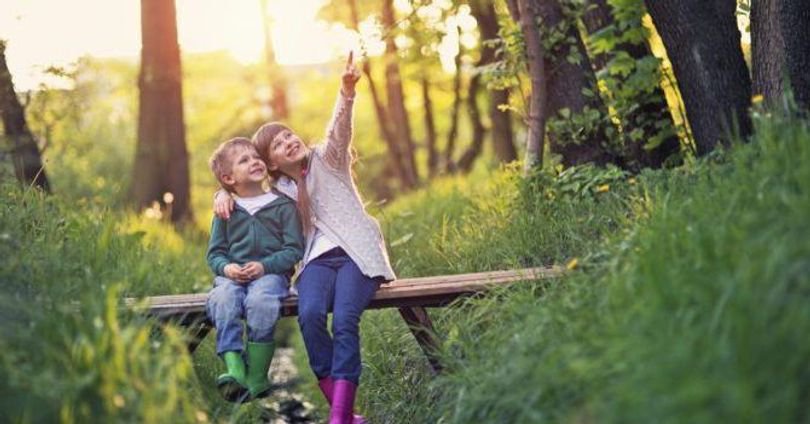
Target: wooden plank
(405, 292)
(409, 295)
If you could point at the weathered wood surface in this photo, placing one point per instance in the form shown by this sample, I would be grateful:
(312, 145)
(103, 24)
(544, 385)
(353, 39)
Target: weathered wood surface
(422, 291)
(410, 295)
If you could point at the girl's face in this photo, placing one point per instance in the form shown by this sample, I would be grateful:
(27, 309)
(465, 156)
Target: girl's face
(287, 152)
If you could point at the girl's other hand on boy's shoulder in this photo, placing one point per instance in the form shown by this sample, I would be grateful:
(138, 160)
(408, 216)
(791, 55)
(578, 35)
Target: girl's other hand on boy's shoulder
(223, 204)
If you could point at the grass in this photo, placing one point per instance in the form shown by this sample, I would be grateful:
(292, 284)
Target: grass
(687, 302)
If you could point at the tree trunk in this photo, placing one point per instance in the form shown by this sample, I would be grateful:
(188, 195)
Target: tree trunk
(430, 128)
(467, 159)
(396, 99)
(703, 44)
(526, 12)
(28, 166)
(781, 49)
(796, 33)
(767, 51)
(452, 133)
(502, 137)
(278, 83)
(566, 83)
(383, 121)
(161, 159)
(651, 113)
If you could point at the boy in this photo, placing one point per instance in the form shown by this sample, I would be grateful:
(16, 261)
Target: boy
(252, 254)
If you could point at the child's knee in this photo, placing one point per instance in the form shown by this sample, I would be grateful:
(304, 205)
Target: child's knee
(225, 298)
(262, 324)
(273, 284)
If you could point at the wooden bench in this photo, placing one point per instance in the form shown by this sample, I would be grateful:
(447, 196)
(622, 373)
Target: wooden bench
(410, 295)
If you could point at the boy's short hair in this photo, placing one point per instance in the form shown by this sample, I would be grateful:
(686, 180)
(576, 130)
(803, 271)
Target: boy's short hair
(221, 161)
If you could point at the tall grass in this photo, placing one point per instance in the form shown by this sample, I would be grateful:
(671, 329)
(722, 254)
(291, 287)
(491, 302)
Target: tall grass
(68, 353)
(689, 303)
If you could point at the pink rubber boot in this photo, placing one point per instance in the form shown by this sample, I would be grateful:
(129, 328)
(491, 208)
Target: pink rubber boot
(342, 402)
(327, 387)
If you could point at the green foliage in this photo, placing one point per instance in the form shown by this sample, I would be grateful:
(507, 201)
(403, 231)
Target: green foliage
(68, 351)
(630, 87)
(689, 304)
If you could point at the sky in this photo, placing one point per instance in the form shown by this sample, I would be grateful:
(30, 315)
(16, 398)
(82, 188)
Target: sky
(43, 33)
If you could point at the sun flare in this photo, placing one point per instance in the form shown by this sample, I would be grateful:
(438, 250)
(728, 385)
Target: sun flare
(43, 33)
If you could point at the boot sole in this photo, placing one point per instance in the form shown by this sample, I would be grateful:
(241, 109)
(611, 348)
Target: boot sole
(231, 390)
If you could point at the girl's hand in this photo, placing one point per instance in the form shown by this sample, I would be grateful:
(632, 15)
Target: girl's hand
(350, 77)
(223, 204)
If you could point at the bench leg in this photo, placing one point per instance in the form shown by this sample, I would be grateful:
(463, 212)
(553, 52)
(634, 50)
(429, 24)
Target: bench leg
(419, 322)
(197, 332)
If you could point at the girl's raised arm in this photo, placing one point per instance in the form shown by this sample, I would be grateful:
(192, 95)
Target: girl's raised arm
(339, 132)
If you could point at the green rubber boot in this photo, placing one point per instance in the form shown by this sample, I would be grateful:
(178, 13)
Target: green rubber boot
(259, 356)
(231, 385)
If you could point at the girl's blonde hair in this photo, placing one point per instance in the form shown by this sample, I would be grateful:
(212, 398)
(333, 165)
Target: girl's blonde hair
(262, 139)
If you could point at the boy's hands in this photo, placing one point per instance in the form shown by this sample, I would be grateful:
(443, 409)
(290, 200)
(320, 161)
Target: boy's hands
(236, 273)
(253, 270)
(350, 77)
(223, 205)
(244, 273)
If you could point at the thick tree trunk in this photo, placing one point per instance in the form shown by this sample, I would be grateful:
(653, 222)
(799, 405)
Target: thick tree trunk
(781, 49)
(396, 100)
(25, 155)
(703, 44)
(395, 156)
(767, 51)
(452, 133)
(796, 32)
(467, 159)
(652, 112)
(161, 159)
(566, 83)
(430, 128)
(502, 137)
(526, 12)
(278, 83)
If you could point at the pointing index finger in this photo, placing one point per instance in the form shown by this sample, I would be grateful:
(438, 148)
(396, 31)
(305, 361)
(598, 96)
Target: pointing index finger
(350, 59)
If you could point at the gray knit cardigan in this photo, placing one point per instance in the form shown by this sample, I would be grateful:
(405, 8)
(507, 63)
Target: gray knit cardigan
(337, 209)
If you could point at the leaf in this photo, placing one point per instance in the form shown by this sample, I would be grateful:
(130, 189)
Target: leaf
(622, 64)
(402, 240)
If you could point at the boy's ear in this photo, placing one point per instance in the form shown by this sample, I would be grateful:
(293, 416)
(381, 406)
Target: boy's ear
(228, 179)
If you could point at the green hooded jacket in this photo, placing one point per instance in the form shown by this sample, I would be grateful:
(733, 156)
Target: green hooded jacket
(272, 236)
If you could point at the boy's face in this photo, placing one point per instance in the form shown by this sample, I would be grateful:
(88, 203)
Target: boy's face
(286, 151)
(246, 167)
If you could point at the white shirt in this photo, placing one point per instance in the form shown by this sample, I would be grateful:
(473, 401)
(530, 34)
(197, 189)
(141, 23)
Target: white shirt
(321, 243)
(253, 204)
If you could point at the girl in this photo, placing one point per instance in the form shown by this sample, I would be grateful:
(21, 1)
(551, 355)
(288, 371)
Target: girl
(345, 259)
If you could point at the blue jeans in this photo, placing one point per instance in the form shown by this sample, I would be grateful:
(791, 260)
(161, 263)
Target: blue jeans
(333, 282)
(257, 302)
